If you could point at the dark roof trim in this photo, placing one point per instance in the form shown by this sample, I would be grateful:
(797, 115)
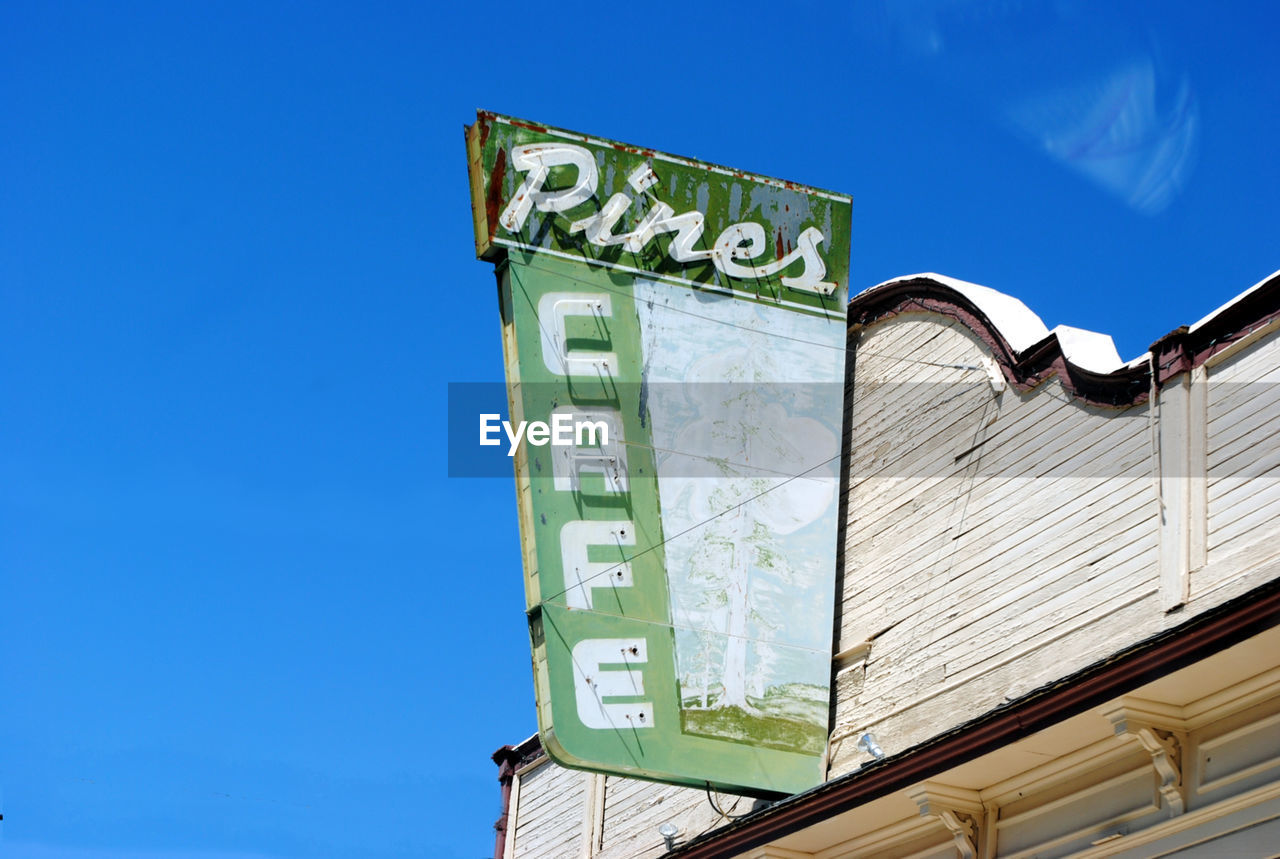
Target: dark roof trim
(1187, 643)
(1177, 352)
(1184, 348)
(509, 759)
(512, 758)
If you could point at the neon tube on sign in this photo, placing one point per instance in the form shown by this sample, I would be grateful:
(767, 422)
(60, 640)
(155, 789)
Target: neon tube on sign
(737, 244)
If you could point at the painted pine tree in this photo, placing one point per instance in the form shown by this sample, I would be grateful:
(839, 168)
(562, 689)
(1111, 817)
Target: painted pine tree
(739, 559)
(736, 409)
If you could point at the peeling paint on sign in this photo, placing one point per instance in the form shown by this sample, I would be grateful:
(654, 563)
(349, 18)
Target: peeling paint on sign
(679, 567)
(604, 203)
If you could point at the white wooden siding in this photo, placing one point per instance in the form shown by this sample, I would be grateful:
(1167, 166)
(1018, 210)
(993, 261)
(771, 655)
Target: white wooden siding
(987, 527)
(635, 809)
(1243, 452)
(996, 541)
(549, 813)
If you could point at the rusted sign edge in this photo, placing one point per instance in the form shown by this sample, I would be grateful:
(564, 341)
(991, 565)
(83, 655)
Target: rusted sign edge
(835, 311)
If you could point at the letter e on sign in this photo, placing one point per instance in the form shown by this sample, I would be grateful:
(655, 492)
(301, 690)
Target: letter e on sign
(593, 683)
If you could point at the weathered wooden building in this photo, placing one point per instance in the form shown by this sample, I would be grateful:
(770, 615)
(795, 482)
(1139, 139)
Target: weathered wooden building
(1058, 623)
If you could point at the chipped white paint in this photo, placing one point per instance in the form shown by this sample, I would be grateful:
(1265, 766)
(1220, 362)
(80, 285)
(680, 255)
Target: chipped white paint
(997, 540)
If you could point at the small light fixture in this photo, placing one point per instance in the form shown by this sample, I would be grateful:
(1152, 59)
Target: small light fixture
(669, 831)
(867, 742)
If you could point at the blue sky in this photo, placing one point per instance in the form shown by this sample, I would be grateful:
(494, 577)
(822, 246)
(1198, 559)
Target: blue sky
(245, 611)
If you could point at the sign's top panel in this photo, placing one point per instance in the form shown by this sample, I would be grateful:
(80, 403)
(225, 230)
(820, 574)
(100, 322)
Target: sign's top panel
(659, 216)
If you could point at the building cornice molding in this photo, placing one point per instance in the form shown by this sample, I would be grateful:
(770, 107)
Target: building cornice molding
(1175, 648)
(1029, 354)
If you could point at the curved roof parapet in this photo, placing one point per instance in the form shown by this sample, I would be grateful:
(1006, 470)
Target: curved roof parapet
(1018, 324)
(1088, 349)
(1241, 299)
(1086, 362)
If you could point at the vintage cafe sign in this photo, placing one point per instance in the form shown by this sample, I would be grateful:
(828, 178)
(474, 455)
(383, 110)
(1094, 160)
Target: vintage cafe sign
(679, 620)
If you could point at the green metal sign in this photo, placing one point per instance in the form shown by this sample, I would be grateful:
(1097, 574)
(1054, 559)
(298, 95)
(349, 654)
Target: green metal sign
(674, 340)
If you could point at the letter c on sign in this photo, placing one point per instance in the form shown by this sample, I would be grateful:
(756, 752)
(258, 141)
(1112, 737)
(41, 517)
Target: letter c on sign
(554, 309)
